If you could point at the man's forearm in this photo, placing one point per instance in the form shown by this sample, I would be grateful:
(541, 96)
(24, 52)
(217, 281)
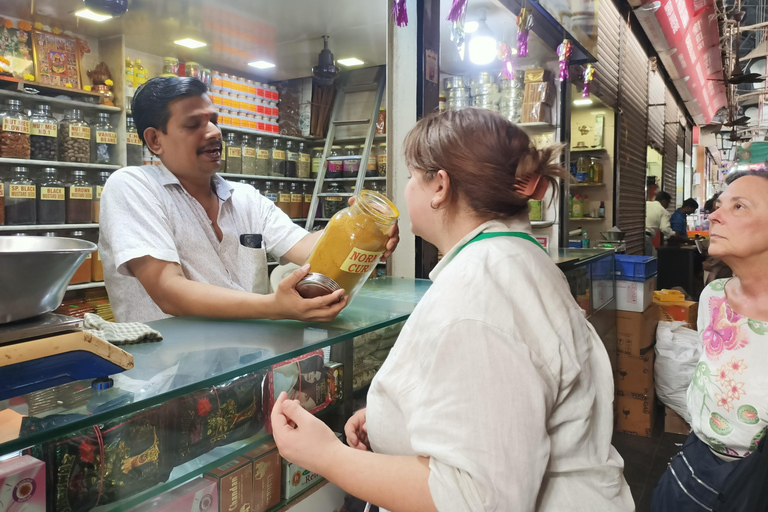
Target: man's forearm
(183, 297)
(299, 253)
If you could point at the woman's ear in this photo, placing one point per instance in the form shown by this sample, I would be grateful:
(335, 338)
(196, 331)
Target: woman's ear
(441, 185)
(152, 139)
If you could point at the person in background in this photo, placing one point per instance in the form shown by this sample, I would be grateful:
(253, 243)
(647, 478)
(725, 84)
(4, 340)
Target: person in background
(711, 204)
(657, 220)
(678, 221)
(728, 396)
(443, 437)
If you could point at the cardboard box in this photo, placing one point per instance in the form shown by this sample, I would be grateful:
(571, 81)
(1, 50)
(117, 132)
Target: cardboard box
(635, 376)
(635, 416)
(674, 423)
(635, 296)
(198, 495)
(235, 484)
(539, 92)
(537, 75)
(22, 484)
(296, 479)
(637, 331)
(685, 311)
(267, 467)
(536, 113)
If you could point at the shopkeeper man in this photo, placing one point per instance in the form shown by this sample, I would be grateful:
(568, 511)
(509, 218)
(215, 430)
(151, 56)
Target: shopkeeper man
(678, 221)
(170, 234)
(657, 221)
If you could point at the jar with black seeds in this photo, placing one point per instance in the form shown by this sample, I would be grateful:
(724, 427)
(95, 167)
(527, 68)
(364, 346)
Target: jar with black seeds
(43, 131)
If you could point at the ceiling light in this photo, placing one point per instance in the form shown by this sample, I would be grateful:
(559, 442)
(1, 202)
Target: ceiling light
(582, 102)
(90, 15)
(261, 64)
(350, 62)
(190, 43)
(482, 45)
(471, 26)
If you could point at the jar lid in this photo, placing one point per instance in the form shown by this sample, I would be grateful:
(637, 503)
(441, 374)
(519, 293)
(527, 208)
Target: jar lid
(49, 170)
(192, 63)
(351, 146)
(335, 147)
(315, 284)
(383, 145)
(13, 103)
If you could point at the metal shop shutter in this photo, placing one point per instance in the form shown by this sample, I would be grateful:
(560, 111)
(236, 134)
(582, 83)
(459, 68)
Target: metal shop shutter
(671, 127)
(657, 97)
(606, 81)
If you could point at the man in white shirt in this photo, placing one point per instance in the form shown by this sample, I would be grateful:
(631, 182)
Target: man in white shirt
(657, 219)
(179, 240)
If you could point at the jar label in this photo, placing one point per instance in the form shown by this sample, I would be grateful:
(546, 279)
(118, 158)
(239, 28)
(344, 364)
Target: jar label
(304, 157)
(278, 154)
(79, 132)
(285, 198)
(2, 190)
(133, 138)
(262, 154)
(249, 153)
(88, 257)
(81, 193)
(103, 137)
(382, 159)
(15, 125)
(44, 129)
(23, 191)
(297, 198)
(307, 198)
(234, 152)
(334, 198)
(371, 164)
(335, 166)
(98, 192)
(293, 157)
(360, 261)
(51, 193)
(272, 196)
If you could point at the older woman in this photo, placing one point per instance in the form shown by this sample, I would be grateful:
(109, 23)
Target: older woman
(728, 398)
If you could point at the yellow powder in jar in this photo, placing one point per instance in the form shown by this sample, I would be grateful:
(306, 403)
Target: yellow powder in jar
(351, 242)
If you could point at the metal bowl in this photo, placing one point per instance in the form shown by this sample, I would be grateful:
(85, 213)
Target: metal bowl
(35, 273)
(613, 236)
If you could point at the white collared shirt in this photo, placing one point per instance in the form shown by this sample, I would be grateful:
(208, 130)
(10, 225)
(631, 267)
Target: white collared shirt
(146, 212)
(657, 219)
(501, 381)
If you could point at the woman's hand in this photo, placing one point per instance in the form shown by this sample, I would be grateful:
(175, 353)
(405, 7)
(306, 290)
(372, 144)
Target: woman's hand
(356, 430)
(301, 438)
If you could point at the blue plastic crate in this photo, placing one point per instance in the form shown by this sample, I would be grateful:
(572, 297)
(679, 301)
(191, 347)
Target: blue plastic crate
(635, 268)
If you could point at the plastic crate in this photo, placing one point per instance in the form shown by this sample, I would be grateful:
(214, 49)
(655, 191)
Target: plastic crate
(635, 268)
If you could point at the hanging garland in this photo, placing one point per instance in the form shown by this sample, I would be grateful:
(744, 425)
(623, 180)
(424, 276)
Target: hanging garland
(505, 56)
(458, 11)
(589, 74)
(400, 13)
(564, 54)
(457, 15)
(524, 25)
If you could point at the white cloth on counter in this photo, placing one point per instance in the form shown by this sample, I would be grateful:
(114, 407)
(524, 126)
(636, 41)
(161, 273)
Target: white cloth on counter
(146, 212)
(657, 219)
(501, 381)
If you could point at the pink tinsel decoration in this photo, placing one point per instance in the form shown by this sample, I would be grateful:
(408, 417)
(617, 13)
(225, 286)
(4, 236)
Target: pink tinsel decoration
(505, 56)
(589, 74)
(399, 13)
(564, 53)
(457, 10)
(524, 24)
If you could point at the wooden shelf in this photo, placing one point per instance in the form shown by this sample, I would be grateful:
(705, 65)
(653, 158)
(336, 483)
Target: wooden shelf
(56, 163)
(587, 219)
(84, 286)
(50, 227)
(586, 150)
(55, 102)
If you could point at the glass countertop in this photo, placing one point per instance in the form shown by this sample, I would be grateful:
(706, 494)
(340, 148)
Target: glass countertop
(196, 353)
(571, 257)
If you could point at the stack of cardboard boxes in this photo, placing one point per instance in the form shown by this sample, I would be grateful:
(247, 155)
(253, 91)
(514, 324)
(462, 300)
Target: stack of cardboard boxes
(539, 96)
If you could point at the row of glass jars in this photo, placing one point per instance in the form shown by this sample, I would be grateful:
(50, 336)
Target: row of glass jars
(50, 197)
(339, 167)
(40, 137)
(259, 156)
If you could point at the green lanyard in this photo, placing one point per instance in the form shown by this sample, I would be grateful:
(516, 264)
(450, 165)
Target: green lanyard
(514, 234)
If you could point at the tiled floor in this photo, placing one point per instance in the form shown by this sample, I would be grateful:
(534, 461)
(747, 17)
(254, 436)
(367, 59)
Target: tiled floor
(646, 459)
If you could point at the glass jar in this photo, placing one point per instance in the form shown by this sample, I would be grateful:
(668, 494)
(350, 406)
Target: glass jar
(377, 186)
(277, 158)
(307, 189)
(234, 154)
(284, 197)
(97, 268)
(134, 149)
(21, 201)
(335, 166)
(83, 272)
(291, 159)
(74, 138)
(98, 188)
(333, 204)
(193, 69)
(104, 141)
(372, 167)
(381, 159)
(297, 200)
(350, 246)
(249, 155)
(305, 162)
(350, 168)
(270, 191)
(14, 131)
(595, 170)
(582, 169)
(50, 198)
(79, 199)
(262, 156)
(317, 157)
(170, 66)
(43, 129)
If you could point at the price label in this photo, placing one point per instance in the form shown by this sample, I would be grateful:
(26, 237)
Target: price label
(262, 154)
(98, 192)
(133, 138)
(2, 190)
(249, 152)
(297, 198)
(79, 132)
(51, 193)
(382, 159)
(106, 137)
(81, 193)
(15, 125)
(293, 157)
(304, 157)
(44, 129)
(278, 154)
(233, 152)
(22, 191)
(285, 198)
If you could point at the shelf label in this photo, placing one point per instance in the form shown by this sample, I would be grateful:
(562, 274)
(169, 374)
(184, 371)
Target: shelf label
(278, 154)
(51, 193)
(44, 129)
(79, 132)
(293, 157)
(81, 193)
(360, 261)
(15, 125)
(2, 190)
(334, 198)
(133, 138)
(271, 196)
(106, 137)
(304, 157)
(22, 191)
(98, 192)
(233, 152)
(249, 153)
(371, 163)
(285, 198)
(297, 198)
(262, 154)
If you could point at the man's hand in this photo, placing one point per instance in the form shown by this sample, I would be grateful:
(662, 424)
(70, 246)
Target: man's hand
(394, 237)
(290, 305)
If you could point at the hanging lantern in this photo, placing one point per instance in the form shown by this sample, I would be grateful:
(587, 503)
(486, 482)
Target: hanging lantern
(505, 56)
(524, 24)
(589, 74)
(563, 55)
(399, 13)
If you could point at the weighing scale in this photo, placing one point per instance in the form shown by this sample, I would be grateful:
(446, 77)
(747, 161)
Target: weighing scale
(50, 350)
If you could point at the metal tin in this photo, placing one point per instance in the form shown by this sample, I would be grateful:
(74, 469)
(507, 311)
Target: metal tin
(453, 82)
(315, 284)
(482, 78)
(458, 92)
(484, 89)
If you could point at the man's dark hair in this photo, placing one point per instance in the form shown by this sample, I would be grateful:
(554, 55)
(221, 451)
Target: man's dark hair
(663, 196)
(150, 103)
(710, 204)
(691, 203)
(740, 174)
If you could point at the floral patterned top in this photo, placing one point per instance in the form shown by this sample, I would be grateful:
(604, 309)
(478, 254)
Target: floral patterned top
(728, 398)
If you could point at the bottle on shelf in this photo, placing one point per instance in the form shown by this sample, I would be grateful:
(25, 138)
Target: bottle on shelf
(50, 198)
(584, 239)
(291, 159)
(284, 197)
(134, 149)
(270, 191)
(577, 207)
(129, 77)
(104, 141)
(601, 210)
(248, 155)
(139, 74)
(277, 158)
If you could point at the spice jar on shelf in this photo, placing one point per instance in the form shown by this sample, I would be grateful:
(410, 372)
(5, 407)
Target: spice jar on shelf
(134, 149)
(83, 272)
(249, 155)
(104, 141)
(50, 198)
(170, 66)
(297, 200)
(74, 138)
(79, 196)
(350, 167)
(317, 157)
(43, 129)
(335, 164)
(262, 157)
(372, 167)
(333, 204)
(305, 162)
(381, 122)
(193, 69)
(234, 160)
(21, 200)
(284, 197)
(277, 158)
(291, 159)
(307, 189)
(270, 191)
(14, 131)
(381, 159)
(350, 247)
(98, 188)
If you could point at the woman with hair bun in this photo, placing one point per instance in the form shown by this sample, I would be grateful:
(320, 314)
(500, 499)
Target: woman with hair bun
(498, 395)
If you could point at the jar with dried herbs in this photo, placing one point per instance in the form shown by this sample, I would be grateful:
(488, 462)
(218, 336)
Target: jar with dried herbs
(43, 129)
(317, 157)
(350, 247)
(277, 158)
(79, 196)
(234, 160)
(333, 204)
(50, 198)
(381, 159)
(74, 138)
(262, 157)
(304, 167)
(104, 141)
(291, 159)
(134, 149)
(14, 131)
(249, 155)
